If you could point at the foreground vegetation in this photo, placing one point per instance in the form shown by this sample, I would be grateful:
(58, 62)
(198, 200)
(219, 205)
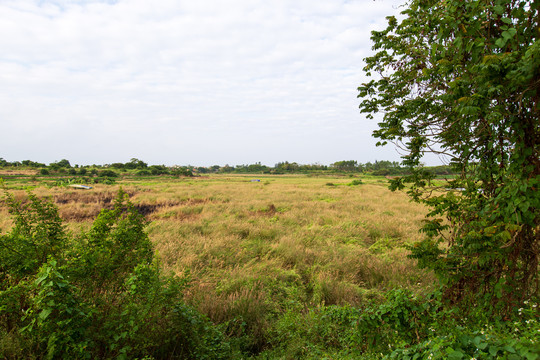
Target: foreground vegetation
(284, 267)
(309, 267)
(99, 294)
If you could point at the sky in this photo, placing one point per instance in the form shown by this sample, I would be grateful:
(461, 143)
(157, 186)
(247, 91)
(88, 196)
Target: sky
(180, 82)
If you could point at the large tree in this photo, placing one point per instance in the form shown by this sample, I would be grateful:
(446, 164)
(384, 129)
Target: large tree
(461, 79)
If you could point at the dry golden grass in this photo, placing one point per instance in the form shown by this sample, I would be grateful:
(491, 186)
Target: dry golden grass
(255, 248)
(18, 172)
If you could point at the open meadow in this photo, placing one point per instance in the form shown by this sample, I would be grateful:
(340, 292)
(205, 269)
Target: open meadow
(257, 246)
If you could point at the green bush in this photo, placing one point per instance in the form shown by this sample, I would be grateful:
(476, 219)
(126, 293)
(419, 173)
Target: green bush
(108, 173)
(355, 182)
(404, 326)
(97, 295)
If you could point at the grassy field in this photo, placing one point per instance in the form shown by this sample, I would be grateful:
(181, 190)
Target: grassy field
(257, 249)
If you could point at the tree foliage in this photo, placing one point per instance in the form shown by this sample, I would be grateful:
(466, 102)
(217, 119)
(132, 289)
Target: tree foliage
(345, 165)
(461, 79)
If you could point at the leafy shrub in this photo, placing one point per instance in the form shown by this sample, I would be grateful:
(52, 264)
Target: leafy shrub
(38, 233)
(57, 317)
(158, 170)
(404, 326)
(355, 182)
(98, 295)
(108, 173)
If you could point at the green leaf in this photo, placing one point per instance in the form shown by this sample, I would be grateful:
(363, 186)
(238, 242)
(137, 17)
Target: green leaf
(498, 9)
(500, 42)
(524, 206)
(508, 34)
(493, 350)
(455, 355)
(40, 279)
(44, 314)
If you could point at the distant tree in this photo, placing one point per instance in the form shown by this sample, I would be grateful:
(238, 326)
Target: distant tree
(118, 165)
(226, 169)
(135, 164)
(256, 168)
(286, 167)
(182, 171)
(345, 165)
(462, 79)
(32, 164)
(63, 163)
(158, 169)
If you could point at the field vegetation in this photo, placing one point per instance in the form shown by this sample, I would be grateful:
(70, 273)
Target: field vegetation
(157, 262)
(255, 248)
(280, 266)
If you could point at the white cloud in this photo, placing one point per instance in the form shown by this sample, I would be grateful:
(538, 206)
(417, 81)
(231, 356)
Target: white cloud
(197, 82)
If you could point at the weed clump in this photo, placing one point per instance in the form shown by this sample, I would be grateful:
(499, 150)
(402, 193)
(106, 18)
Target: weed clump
(355, 182)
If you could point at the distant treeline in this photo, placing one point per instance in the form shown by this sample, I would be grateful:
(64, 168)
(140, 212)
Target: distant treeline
(141, 168)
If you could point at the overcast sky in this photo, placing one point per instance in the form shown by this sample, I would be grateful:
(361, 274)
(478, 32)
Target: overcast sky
(197, 82)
